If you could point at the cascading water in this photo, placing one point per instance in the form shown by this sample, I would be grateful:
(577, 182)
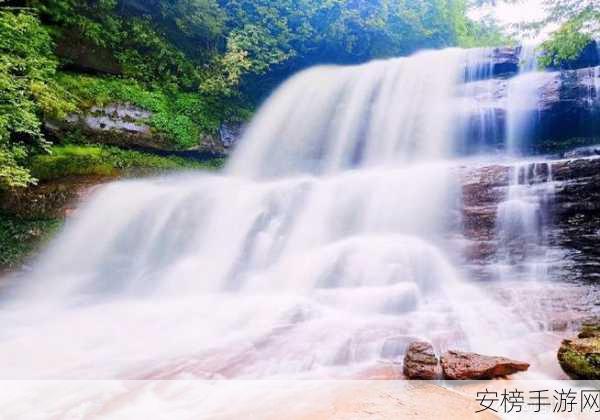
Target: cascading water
(480, 117)
(324, 247)
(594, 87)
(330, 118)
(522, 218)
(522, 107)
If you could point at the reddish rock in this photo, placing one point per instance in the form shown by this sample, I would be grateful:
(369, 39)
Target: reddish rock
(458, 365)
(421, 362)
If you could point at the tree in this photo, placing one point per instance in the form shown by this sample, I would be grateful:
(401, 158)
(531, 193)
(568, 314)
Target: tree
(579, 22)
(27, 64)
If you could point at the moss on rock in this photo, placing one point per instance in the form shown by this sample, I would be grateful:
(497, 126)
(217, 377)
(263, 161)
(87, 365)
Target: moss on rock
(580, 357)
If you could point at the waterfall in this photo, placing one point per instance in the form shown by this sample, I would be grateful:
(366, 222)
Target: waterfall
(328, 118)
(480, 127)
(522, 108)
(523, 220)
(326, 242)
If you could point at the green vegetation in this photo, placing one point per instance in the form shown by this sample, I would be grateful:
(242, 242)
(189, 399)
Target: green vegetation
(19, 238)
(70, 160)
(181, 116)
(579, 23)
(568, 42)
(27, 66)
(580, 357)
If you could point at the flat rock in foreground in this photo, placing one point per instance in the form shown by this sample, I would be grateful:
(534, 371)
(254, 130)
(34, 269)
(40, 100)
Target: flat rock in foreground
(458, 365)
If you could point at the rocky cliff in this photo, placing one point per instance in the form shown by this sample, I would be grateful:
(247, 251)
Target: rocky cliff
(568, 194)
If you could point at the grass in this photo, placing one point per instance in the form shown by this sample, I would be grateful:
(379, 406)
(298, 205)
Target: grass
(71, 160)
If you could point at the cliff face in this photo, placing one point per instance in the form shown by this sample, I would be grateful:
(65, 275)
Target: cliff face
(576, 209)
(567, 195)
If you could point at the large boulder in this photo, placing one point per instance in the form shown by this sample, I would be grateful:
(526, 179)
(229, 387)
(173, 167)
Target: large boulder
(230, 134)
(421, 362)
(116, 124)
(128, 126)
(458, 365)
(580, 357)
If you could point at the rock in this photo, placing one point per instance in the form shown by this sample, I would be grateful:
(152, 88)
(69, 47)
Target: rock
(580, 357)
(576, 216)
(581, 152)
(421, 362)
(230, 133)
(116, 124)
(571, 214)
(489, 63)
(505, 61)
(569, 109)
(127, 126)
(81, 55)
(458, 365)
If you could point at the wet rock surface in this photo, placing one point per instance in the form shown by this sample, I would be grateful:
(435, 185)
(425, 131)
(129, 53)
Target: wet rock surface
(421, 362)
(576, 209)
(572, 225)
(580, 357)
(458, 365)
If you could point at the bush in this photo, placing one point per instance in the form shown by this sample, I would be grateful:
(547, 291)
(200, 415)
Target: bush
(20, 237)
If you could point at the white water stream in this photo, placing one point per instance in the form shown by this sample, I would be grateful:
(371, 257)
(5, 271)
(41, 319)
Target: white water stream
(323, 249)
